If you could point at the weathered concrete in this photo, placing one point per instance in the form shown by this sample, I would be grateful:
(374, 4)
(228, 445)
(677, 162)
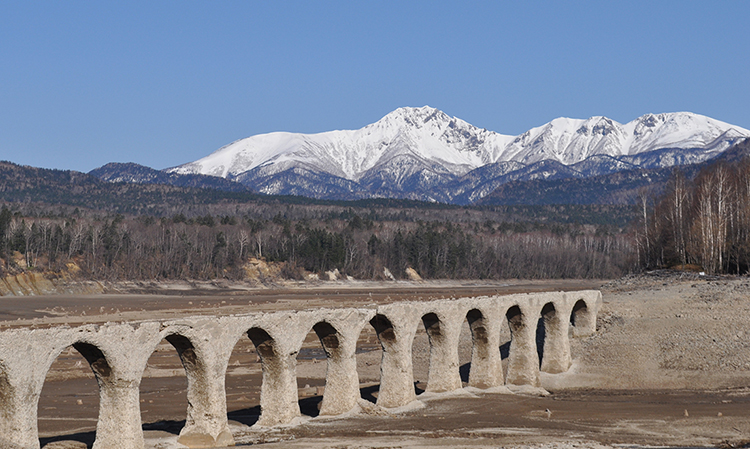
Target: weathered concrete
(118, 354)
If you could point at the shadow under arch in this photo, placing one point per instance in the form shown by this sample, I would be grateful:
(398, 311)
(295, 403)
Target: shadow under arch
(384, 329)
(544, 327)
(97, 361)
(515, 318)
(264, 344)
(329, 338)
(579, 313)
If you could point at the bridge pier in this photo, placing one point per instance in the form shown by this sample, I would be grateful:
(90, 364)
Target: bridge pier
(206, 417)
(486, 369)
(119, 422)
(342, 381)
(396, 326)
(20, 387)
(278, 391)
(523, 360)
(443, 332)
(556, 357)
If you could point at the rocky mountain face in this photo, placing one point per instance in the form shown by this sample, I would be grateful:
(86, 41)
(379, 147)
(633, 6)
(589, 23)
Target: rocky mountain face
(424, 154)
(618, 187)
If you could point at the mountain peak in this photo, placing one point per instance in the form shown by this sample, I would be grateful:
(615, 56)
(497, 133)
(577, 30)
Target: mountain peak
(414, 149)
(417, 117)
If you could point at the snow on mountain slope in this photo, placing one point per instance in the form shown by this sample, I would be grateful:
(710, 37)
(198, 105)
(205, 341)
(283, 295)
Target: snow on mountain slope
(416, 149)
(423, 133)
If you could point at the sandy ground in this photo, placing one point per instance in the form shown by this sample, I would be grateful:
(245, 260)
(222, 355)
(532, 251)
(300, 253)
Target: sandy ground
(668, 366)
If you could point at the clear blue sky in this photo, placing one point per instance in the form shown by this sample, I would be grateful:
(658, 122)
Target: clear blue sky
(161, 83)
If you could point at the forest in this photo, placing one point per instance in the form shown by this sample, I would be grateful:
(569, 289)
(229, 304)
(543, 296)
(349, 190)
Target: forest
(359, 242)
(701, 223)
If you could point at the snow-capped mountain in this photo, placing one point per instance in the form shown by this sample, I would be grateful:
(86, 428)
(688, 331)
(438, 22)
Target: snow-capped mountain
(423, 153)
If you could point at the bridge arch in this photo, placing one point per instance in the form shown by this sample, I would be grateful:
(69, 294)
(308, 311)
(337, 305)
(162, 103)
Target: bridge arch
(341, 388)
(582, 318)
(106, 387)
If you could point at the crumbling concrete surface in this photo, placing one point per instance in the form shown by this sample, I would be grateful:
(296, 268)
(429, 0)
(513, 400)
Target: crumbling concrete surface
(118, 353)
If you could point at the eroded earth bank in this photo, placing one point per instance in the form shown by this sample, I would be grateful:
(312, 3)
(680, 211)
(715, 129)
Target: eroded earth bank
(669, 365)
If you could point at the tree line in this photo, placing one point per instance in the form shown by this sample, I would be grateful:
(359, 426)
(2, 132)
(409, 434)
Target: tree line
(703, 223)
(202, 247)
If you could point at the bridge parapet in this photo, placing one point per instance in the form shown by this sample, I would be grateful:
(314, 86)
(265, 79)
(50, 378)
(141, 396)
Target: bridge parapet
(118, 354)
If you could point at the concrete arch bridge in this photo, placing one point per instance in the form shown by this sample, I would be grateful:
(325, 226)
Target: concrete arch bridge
(118, 354)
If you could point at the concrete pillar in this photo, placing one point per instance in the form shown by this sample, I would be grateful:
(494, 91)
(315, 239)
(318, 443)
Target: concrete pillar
(206, 419)
(396, 372)
(19, 397)
(443, 333)
(556, 357)
(278, 393)
(119, 424)
(486, 364)
(523, 360)
(342, 381)
(117, 357)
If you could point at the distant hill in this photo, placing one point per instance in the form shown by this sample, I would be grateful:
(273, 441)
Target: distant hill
(140, 174)
(24, 184)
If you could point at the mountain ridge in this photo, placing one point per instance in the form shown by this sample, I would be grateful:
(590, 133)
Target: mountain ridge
(422, 153)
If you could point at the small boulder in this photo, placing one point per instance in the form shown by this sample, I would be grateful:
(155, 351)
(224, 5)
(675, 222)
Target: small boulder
(333, 275)
(412, 274)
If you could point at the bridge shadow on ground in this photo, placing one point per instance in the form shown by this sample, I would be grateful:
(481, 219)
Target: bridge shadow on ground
(169, 426)
(246, 416)
(83, 437)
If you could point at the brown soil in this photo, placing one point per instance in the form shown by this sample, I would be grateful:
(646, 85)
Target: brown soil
(668, 366)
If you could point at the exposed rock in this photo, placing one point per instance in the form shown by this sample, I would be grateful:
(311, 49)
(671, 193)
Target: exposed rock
(388, 275)
(412, 274)
(259, 269)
